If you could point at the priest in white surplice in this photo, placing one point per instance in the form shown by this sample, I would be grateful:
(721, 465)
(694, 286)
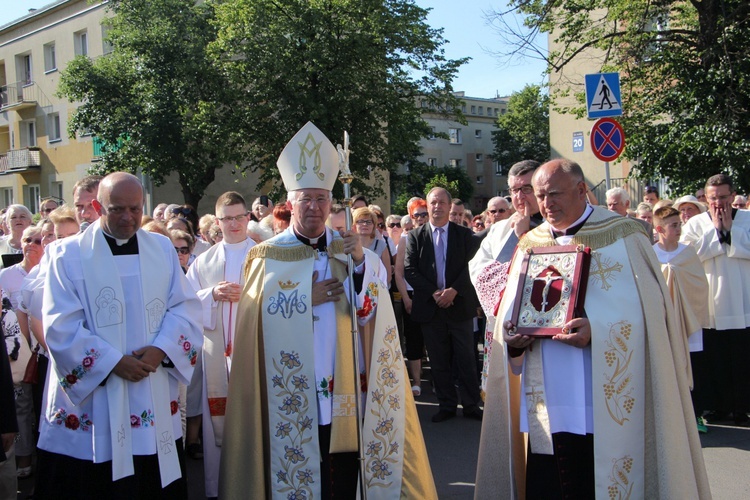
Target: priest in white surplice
(721, 236)
(123, 327)
(216, 275)
(603, 408)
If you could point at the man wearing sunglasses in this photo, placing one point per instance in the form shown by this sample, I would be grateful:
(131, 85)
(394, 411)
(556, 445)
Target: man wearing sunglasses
(216, 276)
(498, 209)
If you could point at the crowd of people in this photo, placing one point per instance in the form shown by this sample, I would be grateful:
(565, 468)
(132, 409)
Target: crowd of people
(135, 340)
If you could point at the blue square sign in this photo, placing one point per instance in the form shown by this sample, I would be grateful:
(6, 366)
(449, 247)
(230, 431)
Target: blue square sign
(603, 95)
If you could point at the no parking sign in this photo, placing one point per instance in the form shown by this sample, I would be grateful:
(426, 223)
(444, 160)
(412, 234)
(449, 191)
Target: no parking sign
(607, 139)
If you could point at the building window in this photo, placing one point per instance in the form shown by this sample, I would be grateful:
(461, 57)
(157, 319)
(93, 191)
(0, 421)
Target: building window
(455, 163)
(28, 134)
(81, 42)
(473, 110)
(56, 190)
(481, 110)
(478, 134)
(455, 135)
(26, 69)
(480, 179)
(7, 197)
(497, 167)
(478, 157)
(53, 122)
(31, 195)
(463, 108)
(432, 134)
(432, 162)
(106, 45)
(502, 111)
(50, 61)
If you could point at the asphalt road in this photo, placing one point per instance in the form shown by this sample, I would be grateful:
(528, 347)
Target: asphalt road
(452, 447)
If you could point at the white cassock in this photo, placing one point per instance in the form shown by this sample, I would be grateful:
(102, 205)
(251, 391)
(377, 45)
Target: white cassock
(222, 262)
(77, 415)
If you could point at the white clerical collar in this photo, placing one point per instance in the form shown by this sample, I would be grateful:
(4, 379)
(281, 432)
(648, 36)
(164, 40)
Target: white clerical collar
(234, 246)
(117, 240)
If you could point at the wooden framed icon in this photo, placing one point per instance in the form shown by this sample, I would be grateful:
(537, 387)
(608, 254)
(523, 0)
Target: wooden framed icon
(551, 289)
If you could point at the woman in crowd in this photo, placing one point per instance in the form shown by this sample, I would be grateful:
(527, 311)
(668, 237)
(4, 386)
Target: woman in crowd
(412, 331)
(365, 224)
(18, 218)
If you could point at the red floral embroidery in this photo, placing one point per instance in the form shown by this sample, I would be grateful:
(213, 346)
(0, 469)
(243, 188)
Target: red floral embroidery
(79, 371)
(135, 421)
(72, 422)
(366, 307)
(174, 407)
(330, 385)
(188, 348)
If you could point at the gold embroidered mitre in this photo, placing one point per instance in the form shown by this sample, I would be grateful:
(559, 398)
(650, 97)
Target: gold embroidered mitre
(309, 160)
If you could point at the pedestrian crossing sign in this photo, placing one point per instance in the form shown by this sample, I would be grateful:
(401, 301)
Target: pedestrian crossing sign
(603, 95)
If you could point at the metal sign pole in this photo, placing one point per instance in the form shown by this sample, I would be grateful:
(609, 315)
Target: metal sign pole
(606, 174)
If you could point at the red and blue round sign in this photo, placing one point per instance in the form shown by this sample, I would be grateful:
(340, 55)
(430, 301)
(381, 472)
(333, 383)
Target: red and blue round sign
(607, 139)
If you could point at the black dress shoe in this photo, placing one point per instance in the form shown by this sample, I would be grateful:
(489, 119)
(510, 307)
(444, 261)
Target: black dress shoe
(443, 415)
(473, 412)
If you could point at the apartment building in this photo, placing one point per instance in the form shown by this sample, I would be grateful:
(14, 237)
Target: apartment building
(37, 156)
(468, 146)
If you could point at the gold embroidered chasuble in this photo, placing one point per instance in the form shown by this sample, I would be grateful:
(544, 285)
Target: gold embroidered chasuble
(645, 439)
(270, 448)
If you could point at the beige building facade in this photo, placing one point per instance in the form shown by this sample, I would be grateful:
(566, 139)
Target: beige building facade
(37, 156)
(468, 146)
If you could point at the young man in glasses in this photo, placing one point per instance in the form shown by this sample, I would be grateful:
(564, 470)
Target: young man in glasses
(216, 276)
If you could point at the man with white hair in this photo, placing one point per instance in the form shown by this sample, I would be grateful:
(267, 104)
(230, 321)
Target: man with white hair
(618, 201)
(498, 209)
(290, 431)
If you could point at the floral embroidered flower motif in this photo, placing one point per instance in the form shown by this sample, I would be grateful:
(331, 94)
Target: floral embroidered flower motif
(389, 377)
(71, 420)
(145, 419)
(366, 308)
(291, 404)
(383, 356)
(325, 387)
(394, 402)
(305, 477)
(379, 469)
(300, 382)
(283, 429)
(373, 448)
(297, 495)
(384, 426)
(188, 349)
(306, 423)
(277, 381)
(290, 359)
(81, 370)
(294, 454)
(281, 477)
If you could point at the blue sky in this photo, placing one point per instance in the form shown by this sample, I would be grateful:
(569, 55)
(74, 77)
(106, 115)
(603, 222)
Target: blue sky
(464, 27)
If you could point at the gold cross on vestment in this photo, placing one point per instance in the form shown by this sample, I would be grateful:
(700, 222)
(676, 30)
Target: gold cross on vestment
(604, 270)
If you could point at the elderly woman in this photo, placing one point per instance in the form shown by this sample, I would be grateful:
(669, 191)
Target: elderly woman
(365, 224)
(689, 207)
(47, 205)
(18, 218)
(477, 224)
(216, 234)
(183, 244)
(395, 231)
(11, 280)
(204, 227)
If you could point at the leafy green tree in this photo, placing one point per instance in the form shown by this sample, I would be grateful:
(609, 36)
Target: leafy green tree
(421, 177)
(523, 131)
(684, 76)
(357, 65)
(156, 101)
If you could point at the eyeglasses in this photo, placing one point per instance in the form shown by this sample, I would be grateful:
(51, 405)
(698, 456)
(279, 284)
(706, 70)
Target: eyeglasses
(394, 224)
(525, 189)
(182, 250)
(32, 240)
(381, 225)
(182, 210)
(229, 218)
(479, 224)
(499, 210)
(419, 215)
(364, 222)
(320, 201)
(46, 210)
